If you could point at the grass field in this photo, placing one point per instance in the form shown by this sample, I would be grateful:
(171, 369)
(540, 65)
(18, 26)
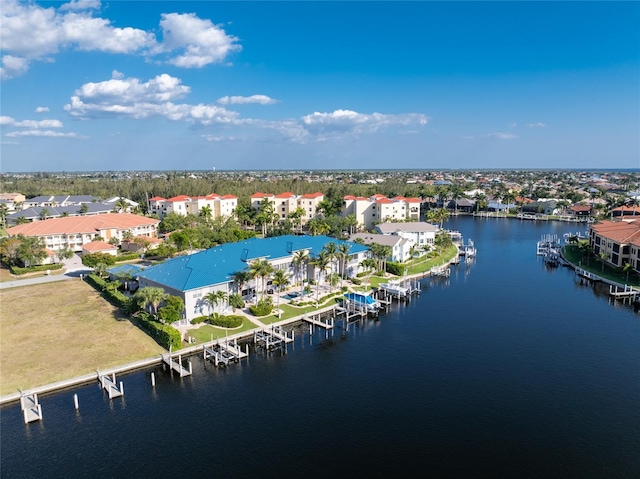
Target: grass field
(61, 330)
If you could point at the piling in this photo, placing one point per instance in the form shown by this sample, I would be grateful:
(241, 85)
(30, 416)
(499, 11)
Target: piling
(75, 401)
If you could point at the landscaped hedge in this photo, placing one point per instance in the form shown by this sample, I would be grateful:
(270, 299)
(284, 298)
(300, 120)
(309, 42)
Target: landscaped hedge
(127, 257)
(115, 297)
(165, 335)
(395, 268)
(356, 281)
(263, 308)
(31, 269)
(231, 321)
(199, 319)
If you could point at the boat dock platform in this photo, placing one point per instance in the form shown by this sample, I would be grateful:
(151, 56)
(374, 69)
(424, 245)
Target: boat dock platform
(318, 320)
(352, 309)
(177, 366)
(31, 408)
(222, 353)
(628, 292)
(108, 383)
(272, 338)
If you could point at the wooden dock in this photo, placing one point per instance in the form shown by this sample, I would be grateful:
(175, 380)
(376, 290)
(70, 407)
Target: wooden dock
(272, 338)
(31, 408)
(318, 320)
(177, 365)
(108, 383)
(585, 274)
(628, 292)
(222, 353)
(350, 310)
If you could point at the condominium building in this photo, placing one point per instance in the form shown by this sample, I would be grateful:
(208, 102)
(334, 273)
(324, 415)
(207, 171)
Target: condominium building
(219, 206)
(379, 208)
(619, 240)
(286, 203)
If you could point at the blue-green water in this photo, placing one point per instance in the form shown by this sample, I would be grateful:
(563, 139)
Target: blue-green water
(508, 369)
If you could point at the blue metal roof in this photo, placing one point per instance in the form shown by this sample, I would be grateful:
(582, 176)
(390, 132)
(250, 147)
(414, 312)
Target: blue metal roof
(131, 269)
(219, 264)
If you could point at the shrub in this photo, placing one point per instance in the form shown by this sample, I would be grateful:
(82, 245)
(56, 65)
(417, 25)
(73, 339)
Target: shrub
(92, 259)
(236, 301)
(356, 281)
(114, 296)
(263, 308)
(127, 257)
(199, 319)
(43, 267)
(394, 268)
(165, 335)
(231, 321)
(344, 289)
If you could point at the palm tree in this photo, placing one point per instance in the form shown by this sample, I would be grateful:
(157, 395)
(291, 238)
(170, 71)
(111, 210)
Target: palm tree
(121, 205)
(151, 296)
(368, 264)
(331, 250)
(280, 281)
(261, 268)
(603, 256)
(318, 227)
(206, 213)
(343, 254)
(321, 263)
(44, 212)
(626, 268)
(240, 278)
(100, 269)
(299, 258)
(352, 222)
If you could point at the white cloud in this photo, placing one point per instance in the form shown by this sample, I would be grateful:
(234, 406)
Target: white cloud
(243, 100)
(13, 66)
(43, 133)
(216, 139)
(348, 121)
(536, 125)
(30, 32)
(81, 5)
(200, 41)
(42, 109)
(7, 120)
(131, 98)
(502, 136)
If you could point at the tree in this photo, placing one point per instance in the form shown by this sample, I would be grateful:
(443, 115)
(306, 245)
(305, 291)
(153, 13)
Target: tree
(100, 269)
(214, 298)
(121, 205)
(296, 218)
(150, 296)
(368, 264)
(299, 259)
(318, 226)
(236, 301)
(31, 251)
(114, 241)
(127, 235)
(603, 256)
(343, 254)
(626, 268)
(9, 250)
(21, 220)
(261, 268)
(172, 310)
(142, 242)
(332, 251)
(44, 212)
(352, 223)
(84, 209)
(240, 278)
(206, 213)
(280, 281)
(4, 211)
(321, 263)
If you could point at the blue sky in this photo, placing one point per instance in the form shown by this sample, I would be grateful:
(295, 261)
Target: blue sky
(334, 85)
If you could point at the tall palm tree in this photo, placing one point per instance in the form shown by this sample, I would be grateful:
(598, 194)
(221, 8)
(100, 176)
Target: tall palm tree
(332, 251)
(261, 268)
(240, 278)
(300, 258)
(321, 263)
(280, 281)
(343, 254)
(352, 222)
(206, 213)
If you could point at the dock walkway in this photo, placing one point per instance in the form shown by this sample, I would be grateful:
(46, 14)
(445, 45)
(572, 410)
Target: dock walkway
(31, 408)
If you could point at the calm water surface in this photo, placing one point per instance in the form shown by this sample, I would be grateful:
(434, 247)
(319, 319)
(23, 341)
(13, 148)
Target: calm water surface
(508, 369)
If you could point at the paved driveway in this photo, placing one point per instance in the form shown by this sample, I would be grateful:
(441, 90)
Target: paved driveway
(74, 268)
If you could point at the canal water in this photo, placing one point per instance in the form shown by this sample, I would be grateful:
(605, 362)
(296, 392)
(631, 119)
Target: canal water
(507, 369)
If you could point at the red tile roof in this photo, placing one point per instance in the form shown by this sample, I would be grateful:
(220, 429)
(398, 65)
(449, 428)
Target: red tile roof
(312, 195)
(82, 224)
(178, 198)
(286, 194)
(262, 195)
(157, 198)
(385, 201)
(618, 231)
(229, 197)
(96, 246)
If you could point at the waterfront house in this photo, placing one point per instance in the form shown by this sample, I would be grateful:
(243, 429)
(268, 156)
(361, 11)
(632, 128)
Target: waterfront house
(420, 232)
(192, 277)
(400, 246)
(619, 240)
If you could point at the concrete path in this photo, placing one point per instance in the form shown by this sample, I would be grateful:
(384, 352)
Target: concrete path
(74, 268)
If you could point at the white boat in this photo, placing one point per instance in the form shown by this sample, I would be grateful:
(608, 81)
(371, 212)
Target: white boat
(363, 299)
(394, 287)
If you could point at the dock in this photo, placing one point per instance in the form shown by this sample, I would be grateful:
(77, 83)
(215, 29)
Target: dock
(108, 383)
(351, 310)
(31, 408)
(318, 320)
(586, 274)
(177, 365)
(628, 292)
(272, 338)
(441, 271)
(222, 353)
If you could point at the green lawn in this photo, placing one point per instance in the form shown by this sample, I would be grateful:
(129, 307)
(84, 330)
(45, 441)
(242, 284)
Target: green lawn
(593, 265)
(289, 312)
(207, 332)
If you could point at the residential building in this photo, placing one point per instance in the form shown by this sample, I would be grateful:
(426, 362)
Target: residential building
(99, 247)
(37, 213)
(74, 232)
(379, 208)
(219, 206)
(192, 277)
(625, 211)
(619, 240)
(419, 233)
(400, 247)
(12, 201)
(286, 203)
(59, 200)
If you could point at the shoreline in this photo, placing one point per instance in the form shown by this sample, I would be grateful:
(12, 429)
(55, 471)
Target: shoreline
(189, 350)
